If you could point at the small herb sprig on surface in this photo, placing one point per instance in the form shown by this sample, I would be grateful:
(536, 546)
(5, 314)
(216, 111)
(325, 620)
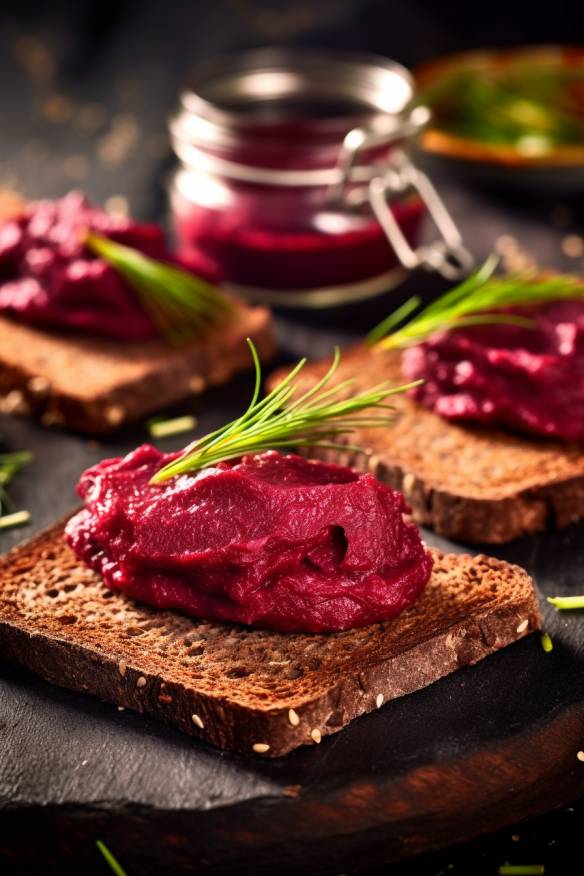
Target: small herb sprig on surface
(179, 303)
(565, 603)
(11, 464)
(158, 427)
(475, 301)
(112, 861)
(313, 419)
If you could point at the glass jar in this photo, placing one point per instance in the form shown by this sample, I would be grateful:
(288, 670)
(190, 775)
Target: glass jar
(294, 177)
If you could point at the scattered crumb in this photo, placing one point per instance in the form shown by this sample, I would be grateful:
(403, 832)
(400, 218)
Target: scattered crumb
(39, 385)
(116, 145)
(114, 414)
(515, 837)
(573, 246)
(117, 205)
(57, 109)
(35, 56)
(260, 747)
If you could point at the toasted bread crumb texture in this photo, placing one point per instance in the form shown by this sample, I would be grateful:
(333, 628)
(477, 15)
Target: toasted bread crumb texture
(96, 385)
(468, 483)
(236, 687)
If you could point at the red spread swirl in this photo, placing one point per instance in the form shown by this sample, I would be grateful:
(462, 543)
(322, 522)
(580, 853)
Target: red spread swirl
(275, 541)
(50, 279)
(531, 379)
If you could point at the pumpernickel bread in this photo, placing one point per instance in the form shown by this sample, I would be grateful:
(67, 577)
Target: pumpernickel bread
(96, 385)
(469, 483)
(242, 689)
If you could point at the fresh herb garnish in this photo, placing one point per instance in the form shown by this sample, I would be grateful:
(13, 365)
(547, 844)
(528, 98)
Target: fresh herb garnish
(113, 863)
(160, 428)
(11, 464)
(180, 304)
(546, 642)
(314, 419)
(521, 870)
(562, 603)
(475, 301)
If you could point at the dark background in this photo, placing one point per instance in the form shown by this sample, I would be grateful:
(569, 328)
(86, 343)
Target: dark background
(85, 90)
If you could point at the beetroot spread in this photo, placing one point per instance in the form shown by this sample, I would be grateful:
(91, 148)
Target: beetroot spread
(526, 378)
(50, 279)
(275, 541)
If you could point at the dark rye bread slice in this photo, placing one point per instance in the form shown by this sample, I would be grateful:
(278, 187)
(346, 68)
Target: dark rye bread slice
(235, 687)
(471, 484)
(94, 386)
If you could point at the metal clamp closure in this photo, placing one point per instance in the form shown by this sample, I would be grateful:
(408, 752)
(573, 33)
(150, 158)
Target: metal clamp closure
(447, 254)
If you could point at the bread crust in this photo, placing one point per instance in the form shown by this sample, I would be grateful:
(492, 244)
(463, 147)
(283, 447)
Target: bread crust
(251, 691)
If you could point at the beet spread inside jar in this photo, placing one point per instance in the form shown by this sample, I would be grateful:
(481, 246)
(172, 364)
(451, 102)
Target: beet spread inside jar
(294, 175)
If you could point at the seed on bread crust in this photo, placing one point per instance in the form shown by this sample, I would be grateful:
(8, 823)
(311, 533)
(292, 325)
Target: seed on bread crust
(122, 666)
(293, 717)
(316, 735)
(523, 625)
(260, 747)
(198, 721)
(141, 682)
(379, 700)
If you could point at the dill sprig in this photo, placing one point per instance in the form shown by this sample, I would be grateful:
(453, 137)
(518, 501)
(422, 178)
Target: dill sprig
(316, 418)
(475, 301)
(179, 303)
(11, 464)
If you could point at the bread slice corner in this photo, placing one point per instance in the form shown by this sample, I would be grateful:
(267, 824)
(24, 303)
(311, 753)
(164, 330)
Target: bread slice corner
(252, 691)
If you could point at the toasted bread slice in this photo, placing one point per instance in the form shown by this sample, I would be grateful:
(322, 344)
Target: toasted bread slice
(93, 386)
(468, 483)
(239, 688)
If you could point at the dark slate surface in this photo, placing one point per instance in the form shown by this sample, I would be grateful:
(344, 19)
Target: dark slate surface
(73, 770)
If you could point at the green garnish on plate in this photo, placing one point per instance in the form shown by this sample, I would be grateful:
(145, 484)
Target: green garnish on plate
(112, 862)
(566, 603)
(286, 418)
(478, 300)
(161, 428)
(180, 304)
(10, 465)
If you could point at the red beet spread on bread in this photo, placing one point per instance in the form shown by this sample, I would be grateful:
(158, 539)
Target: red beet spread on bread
(274, 541)
(50, 279)
(530, 379)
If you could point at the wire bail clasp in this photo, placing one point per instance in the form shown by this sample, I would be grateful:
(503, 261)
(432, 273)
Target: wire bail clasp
(376, 184)
(447, 255)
